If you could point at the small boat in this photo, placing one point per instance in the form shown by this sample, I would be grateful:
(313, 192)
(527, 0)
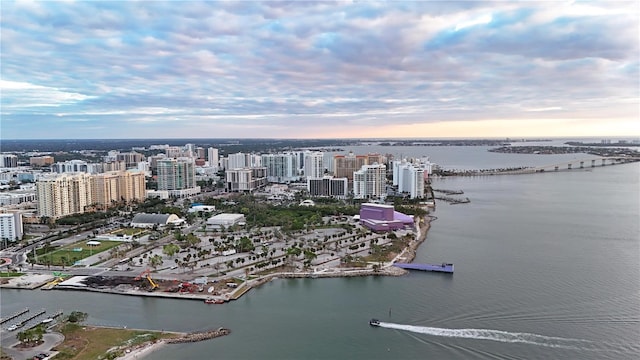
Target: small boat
(374, 322)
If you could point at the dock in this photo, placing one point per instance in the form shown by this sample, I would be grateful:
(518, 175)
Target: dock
(444, 267)
(14, 315)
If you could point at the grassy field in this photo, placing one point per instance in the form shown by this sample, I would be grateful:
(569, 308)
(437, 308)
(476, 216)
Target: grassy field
(71, 253)
(10, 274)
(86, 342)
(128, 231)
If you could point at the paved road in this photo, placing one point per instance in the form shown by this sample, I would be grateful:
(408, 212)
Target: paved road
(9, 340)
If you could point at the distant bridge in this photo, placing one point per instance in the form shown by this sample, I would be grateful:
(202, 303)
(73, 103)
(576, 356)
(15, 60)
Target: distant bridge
(564, 166)
(576, 165)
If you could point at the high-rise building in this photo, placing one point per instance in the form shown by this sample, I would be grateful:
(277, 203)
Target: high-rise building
(11, 227)
(345, 165)
(40, 160)
(176, 174)
(173, 152)
(328, 186)
(64, 194)
(239, 160)
(314, 165)
(375, 159)
(189, 150)
(70, 166)
(118, 187)
(200, 153)
(213, 157)
(370, 182)
(8, 160)
(131, 159)
(113, 166)
(246, 179)
(409, 178)
(281, 168)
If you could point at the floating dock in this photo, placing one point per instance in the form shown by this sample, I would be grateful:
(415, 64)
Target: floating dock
(444, 267)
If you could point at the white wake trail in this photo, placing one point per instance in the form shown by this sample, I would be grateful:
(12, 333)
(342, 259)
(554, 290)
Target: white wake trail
(494, 335)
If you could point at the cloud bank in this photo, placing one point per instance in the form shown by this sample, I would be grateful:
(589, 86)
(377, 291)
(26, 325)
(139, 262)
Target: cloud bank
(143, 69)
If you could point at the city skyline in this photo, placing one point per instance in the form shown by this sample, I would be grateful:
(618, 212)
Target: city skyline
(245, 69)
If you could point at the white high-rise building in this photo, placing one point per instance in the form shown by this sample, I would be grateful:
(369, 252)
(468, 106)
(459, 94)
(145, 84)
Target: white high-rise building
(409, 178)
(370, 182)
(281, 168)
(8, 160)
(190, 150)
(213, 157)
(64, 194)
(239, 160)
(70, 166)
(314, 165)
(11, 227)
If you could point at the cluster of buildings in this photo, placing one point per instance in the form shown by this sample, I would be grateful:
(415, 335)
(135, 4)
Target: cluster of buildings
(60, 195)
(76, 186)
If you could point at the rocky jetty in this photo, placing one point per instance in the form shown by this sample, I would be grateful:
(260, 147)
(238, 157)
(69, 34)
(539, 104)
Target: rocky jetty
(199, 336)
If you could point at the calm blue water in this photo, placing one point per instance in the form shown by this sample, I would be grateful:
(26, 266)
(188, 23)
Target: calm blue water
(547, 267)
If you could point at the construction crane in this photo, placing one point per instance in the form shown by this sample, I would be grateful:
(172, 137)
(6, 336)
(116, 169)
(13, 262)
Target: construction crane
(147, 275)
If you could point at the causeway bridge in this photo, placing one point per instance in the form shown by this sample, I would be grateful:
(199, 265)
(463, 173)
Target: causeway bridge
(576, 164)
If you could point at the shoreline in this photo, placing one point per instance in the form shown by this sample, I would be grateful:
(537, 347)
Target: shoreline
(407, 255)
(142, 350)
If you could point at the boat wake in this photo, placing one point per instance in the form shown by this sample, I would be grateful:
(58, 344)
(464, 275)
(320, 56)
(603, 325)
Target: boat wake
(494, 335)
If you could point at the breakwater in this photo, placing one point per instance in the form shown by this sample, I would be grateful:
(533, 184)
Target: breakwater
(199, 336)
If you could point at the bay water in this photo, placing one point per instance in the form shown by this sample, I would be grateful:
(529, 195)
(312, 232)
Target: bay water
(547, 266)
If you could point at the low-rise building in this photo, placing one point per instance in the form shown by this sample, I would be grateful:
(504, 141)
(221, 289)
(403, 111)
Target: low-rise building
(196, 208)
(225, 220)
(160, 220)
(381, 217)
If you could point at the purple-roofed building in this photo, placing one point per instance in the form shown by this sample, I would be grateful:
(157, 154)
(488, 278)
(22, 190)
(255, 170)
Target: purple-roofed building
(381, 217)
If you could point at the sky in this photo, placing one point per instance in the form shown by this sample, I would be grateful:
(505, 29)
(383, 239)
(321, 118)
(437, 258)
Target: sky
(319, 69)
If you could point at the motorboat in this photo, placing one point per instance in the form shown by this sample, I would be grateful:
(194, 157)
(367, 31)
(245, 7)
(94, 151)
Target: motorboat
(374, 322)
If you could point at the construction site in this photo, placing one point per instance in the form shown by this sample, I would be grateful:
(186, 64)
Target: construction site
(143, 284)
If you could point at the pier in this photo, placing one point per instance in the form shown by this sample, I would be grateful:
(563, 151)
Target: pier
(14, 315)
(32, 317)
(444, 267)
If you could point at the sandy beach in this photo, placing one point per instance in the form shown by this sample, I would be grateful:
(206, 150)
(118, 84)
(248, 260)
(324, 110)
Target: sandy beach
(141, 351)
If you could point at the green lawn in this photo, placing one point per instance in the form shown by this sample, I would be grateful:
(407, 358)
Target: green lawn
(10, 274)
(86, 342)
(128, 231)
(71, 253)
